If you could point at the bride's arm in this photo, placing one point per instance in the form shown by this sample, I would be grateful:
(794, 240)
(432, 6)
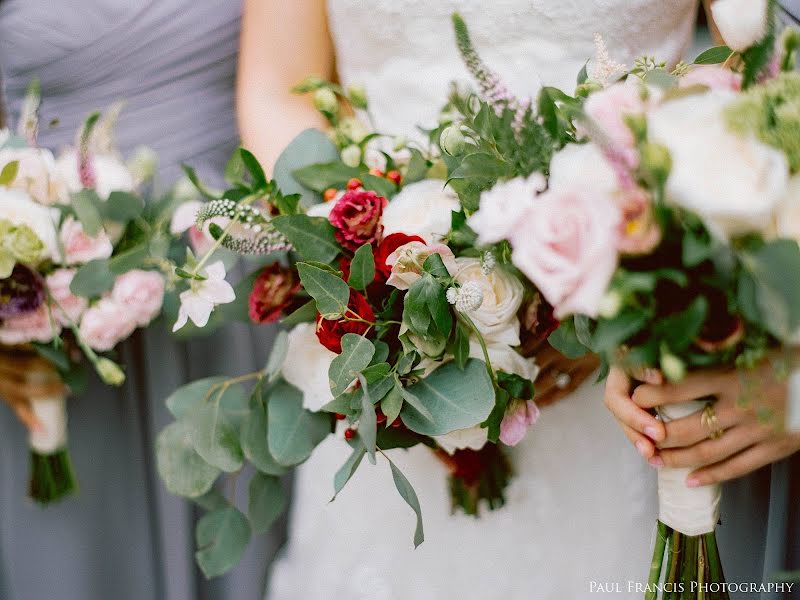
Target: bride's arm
(282, 43)
(711, 25)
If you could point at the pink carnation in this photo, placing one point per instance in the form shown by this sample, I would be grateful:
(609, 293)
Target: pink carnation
(106, 324)
(67, 307)
(34, 326)
(520, 415)
(714, 77)
(141, 293)
(80, 248)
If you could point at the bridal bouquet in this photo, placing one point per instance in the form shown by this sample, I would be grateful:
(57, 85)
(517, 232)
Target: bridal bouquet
(668, 241)
(76, 251)
(408, 324)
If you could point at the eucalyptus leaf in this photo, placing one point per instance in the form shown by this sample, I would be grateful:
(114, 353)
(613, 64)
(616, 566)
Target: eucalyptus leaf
(85, 204)
(254, 168)
(222, 537)
(356, 355)
(183, 400)
(331, 292)
(183, 471)
(312, 237)
(293, 431)
(311, 146)
(277, 356)
(304, 314)
(367, 423)
(254, 441)
(347, 470)
(320, 177)
(362, 268)
(611, 333)
(122, 207)
(215, 436)
(408, 494)
(266, 501)
(392, 404)
(93, 279)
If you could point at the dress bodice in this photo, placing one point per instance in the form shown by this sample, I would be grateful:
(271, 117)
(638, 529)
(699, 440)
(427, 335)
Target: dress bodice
(173, 62)
(404, 53)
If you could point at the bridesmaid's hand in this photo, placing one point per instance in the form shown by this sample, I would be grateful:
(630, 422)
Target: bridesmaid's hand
(640, 426)
(25, 375)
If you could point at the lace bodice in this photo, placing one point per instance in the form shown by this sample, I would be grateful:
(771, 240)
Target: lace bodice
(404, 53)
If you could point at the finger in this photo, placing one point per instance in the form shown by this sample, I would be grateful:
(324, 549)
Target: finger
(709, 452)
(691, 430)
(629, 414)
(741, 464)
(647, 375)
(643, 445)
(696, 385)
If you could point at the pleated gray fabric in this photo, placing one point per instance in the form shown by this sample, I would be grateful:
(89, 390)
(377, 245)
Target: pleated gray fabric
(123, 536)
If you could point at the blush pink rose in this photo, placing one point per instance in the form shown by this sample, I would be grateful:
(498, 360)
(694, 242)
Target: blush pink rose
(714, 77)
(141, 293)
(106, 324)
(608, 109)
(80, 248)
(566, 244)
(34, 326)
(520, 415)
(67, 307)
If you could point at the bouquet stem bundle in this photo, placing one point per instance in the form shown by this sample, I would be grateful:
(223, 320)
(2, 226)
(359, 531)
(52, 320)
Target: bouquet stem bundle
(52, 476)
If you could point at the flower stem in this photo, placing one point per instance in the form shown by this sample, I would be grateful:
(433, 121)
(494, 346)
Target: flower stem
(662, 533)
(470, 323)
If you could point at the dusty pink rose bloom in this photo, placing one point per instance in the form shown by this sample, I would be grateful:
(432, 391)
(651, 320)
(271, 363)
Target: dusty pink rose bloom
(406, 262)
(106, 324)
(566, 244)
(608, 109)
(141, 293)
(34, 326)
(714, 77)
(67, 307)
(80, 248)
(520, 415)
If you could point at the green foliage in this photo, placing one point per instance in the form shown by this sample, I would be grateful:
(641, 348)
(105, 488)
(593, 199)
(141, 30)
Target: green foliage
(565, 340)
(254, 440)
(93, 279)
(216, 437)
(757, 57)
(347, 470)
(310, 147)
(367, 423)
(427, 313)
(357, 352)
(362, 268)
(86, 206)
(330, 291)
(266, 501)
(713, 56)
(312, 237)
(406, 491)
(222, 536)
(322, 176)
(183, 471)
(293, 431)
(611, 333)
(9, 172)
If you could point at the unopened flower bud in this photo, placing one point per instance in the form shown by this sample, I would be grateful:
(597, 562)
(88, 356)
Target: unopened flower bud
(110, 372)
(452, 140)
(584, 90)
(354, 129)
(638, 126)
(325, 100)
(351, 156)
(358, 96)
(610, 304)
(674, 368)
(656, 162)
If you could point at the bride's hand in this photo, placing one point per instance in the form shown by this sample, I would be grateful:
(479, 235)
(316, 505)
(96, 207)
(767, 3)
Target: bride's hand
(25, 375)
(750, 412)
(640, 426)
(560, 376)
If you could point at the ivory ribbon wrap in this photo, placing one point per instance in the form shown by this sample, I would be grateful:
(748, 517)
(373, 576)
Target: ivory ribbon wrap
(52, 414)
(691, 511)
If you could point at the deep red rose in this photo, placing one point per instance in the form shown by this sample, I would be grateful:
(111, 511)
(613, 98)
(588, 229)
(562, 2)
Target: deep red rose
(273, 291)
(357, 218)
(330, 332)
(388, 245)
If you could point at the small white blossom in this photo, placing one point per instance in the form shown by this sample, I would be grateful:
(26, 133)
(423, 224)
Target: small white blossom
(198, 302)
(488, 263)
(604, 67)
(466, 298)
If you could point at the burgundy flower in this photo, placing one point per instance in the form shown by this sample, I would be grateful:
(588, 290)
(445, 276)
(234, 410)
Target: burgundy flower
(21, 292)
(388, 245)
(273, 291)
(357, 218)
(357, 320)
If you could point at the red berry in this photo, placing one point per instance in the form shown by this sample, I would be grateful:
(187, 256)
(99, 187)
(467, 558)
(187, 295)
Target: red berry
(397, 422)
(395, 177)
(329, 194)
(340, 417)
(376, 172)
(379, 416)
(354, 184)
(349, 433)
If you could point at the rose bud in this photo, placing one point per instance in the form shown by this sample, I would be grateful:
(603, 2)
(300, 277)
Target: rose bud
(273, 292)
(357, 218)
(358, 319)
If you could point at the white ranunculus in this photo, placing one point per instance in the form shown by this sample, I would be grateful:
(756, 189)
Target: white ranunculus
(473, 438)
(18, 208)
(496, 317)
(111, 174)
(733, 182)
(503, 205)
(36, 174)
(423, 208)
(742, 23)
(306, 366)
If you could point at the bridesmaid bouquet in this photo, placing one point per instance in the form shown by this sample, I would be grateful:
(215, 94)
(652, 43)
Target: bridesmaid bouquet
(668, 241)
(408, 323)
(77, 256)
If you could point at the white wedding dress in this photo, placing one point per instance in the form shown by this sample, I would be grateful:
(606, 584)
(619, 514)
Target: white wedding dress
(582, 506)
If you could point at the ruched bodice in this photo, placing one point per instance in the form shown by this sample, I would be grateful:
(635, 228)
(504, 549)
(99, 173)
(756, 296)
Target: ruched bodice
(172, 61)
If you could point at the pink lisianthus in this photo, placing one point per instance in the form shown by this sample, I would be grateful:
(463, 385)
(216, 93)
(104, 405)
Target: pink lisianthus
(34, 326)
(520, 415)
(713, 77)
(639, 232)
(608, 109)
(566, 244)
(141, 293)
(406, 262)
(106, 324)
(357, 218)
(67, 307)
(81, 248)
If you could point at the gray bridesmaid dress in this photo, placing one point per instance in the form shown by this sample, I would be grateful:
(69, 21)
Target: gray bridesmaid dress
(123, 536)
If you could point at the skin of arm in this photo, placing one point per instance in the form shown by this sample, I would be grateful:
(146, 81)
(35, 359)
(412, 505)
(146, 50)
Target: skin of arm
(281, 44)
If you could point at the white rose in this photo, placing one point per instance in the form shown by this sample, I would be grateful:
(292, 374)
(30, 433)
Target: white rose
(111, 174)
(503, 205)
(473, 438)
(734, 183)
(36, 174)
(307, 365)
(504, 358)
(18, 208)
(423, 208)
(742, 23)
(496, 317)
